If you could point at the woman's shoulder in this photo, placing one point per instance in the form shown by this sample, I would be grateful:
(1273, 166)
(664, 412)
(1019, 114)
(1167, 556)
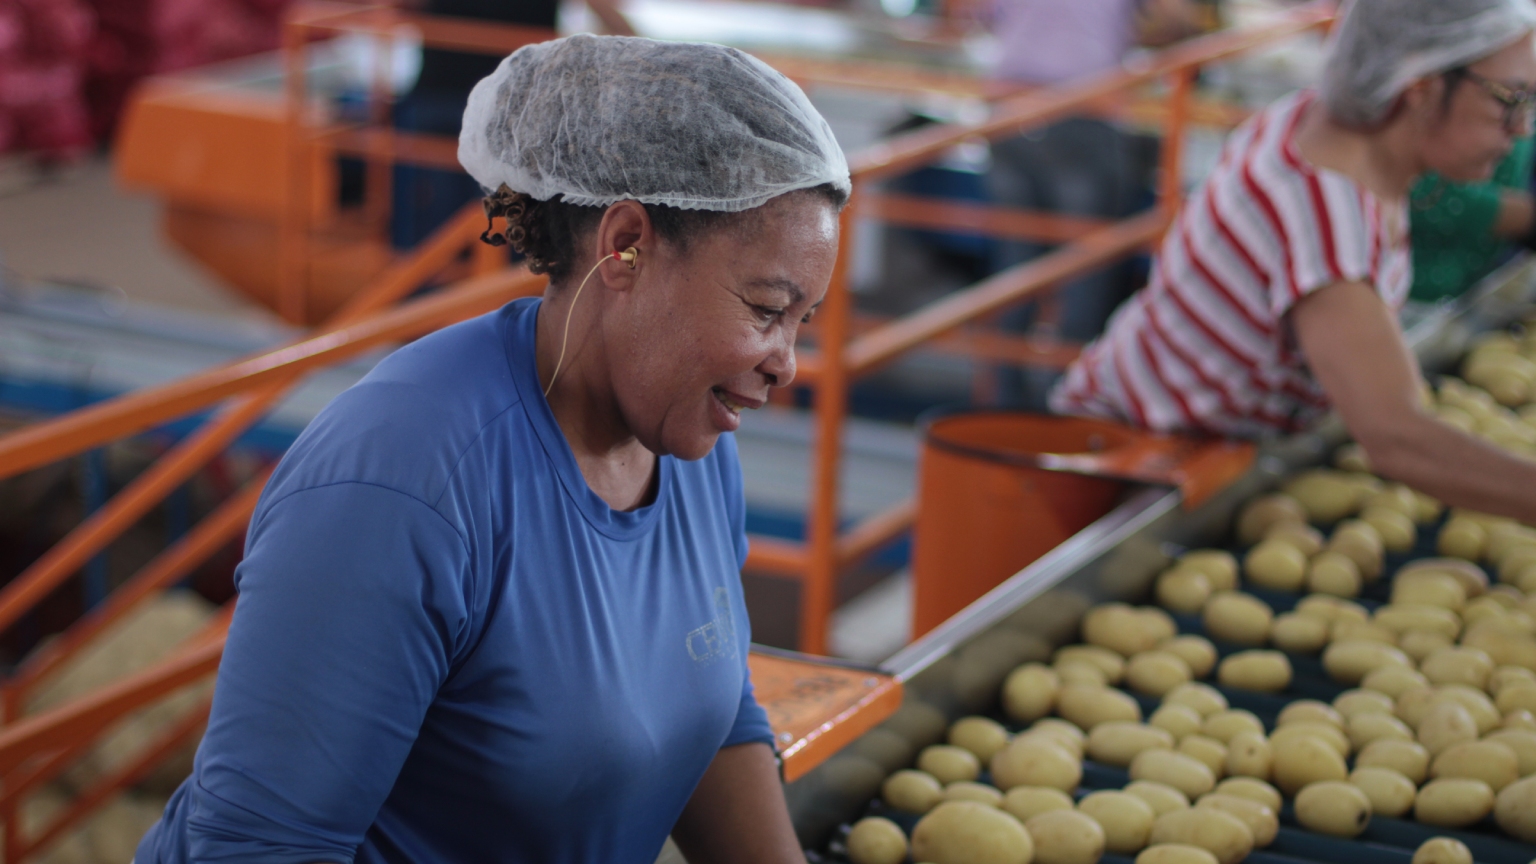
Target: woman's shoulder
(408, 423)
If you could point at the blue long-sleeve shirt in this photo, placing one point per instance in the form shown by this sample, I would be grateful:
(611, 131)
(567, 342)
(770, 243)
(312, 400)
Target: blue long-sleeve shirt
(448, 649)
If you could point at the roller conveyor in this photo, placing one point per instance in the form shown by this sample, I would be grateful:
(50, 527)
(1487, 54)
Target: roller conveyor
(958, 668)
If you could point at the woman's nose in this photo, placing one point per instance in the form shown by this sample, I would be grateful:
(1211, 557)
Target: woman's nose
(779, 365)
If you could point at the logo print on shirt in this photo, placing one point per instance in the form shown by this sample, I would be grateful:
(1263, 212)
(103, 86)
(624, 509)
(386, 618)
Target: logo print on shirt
(717, 639)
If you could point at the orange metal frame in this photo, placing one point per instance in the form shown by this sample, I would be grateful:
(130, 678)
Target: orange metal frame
(35, 749)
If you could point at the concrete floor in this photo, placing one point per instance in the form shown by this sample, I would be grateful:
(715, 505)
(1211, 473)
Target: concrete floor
(76, 225)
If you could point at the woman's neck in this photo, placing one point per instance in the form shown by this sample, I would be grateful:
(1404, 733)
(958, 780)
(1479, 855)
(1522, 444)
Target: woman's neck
(616, 466)
(1380, 160)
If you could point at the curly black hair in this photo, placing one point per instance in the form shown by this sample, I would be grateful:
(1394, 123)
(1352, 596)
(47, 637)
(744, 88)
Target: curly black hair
(546, 233)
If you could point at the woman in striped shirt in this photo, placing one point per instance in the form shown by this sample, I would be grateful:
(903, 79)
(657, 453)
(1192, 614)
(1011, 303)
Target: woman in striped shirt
(1275, 293)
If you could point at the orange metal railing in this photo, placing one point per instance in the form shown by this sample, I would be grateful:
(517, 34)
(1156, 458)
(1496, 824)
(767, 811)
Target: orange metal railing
(35, 749)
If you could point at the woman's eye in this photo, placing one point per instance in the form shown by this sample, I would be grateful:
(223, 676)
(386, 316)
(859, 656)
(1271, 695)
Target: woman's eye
(768, 313)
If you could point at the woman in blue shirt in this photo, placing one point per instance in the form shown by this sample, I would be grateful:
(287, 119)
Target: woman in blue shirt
(490, 608)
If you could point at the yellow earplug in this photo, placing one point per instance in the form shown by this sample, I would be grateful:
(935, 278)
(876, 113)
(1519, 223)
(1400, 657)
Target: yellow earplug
(628, 256)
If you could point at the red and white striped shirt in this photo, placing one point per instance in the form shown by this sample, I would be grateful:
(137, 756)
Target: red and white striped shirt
(1206, 345)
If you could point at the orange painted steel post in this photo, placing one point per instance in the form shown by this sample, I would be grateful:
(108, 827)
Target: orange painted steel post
(293, 229)
(818, 590)
(1170, 192)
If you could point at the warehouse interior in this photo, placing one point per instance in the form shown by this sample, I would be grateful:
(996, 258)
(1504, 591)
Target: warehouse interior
(984, 627)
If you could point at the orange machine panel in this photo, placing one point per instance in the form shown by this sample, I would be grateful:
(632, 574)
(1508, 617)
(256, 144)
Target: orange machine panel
(816, 707)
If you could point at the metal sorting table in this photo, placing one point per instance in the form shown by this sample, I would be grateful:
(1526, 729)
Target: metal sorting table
(959, 667)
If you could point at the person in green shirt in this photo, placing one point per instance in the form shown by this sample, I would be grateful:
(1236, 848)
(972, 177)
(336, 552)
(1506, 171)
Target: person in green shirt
(1462, 231)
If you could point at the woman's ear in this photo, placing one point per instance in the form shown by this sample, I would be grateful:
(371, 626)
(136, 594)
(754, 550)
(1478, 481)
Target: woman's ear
(624, 234)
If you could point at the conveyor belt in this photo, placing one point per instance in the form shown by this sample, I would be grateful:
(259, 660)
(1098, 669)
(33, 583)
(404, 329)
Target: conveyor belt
(958, 668)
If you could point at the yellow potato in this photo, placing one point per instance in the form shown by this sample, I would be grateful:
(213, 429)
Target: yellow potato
(1219, 833)
(1176, 720)
(1072, 736)
(1261, 514)
(1242, 619)
(1197, 651)
(1087, 707)
(1504, 644)
(1431, 588)
(1276, 564)
(1118, 742)
(1447, 724)
(1515, 809)
(1468, 666)
(1310, 711)
(1204, 698)
(1110, 663)
(964, 832)
(1260, 818)
(1299, 634)
(948, 763)
(1426, 509)
(1156, 672)
(1408, 758)
(1394, 681)
(1035, 760)
(1260, 671)
(1175, 853)
(1418, 644)
(1442, 850)
(1029, 692)
(1333, 737)
(1079, 672)
(1504, 676)
(1333, 572)
(1253, 789)
(1522, 742)
(1184, 773)
(1326, 495)
(1395, 496)
(1117, 627)
(1066, 837)
(1026, 802)
(980, 735)
(1361, 542)
(1307, 540)
(1126, 820)
(1477, 703)
(1492, 762)
(1333, 807)
(1223, 725)
(1391, 793)
(1304, 760)
(967, 790)
(1218, 565)
(1519, 696)
(1161, 797)
(1331, 609)
(1402, 617)
(1518, 720)
(1209, 751)
(1366, 631)
(1349, 661)
(876, 841)
(1249, 755)
(1362, 701)
(1157, 622)
(1183, 589)
(1351, 457)
(1453, 802)
(1462, 538)
(912, 791)
(1396, 528)
(1367, 728)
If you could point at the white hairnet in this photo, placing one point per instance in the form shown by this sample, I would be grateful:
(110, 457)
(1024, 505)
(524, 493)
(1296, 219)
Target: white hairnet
(599, 119)
(1383, 46)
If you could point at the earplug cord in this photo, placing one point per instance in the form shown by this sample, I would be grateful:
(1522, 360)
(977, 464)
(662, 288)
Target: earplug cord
(628, 256)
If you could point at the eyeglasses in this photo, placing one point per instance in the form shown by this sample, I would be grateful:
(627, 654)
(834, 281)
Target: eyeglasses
(1519, 105)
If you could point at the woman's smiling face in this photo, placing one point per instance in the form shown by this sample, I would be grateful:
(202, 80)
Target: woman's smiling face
(707, 329)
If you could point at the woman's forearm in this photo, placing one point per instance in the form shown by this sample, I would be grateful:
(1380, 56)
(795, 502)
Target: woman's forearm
(1457, 468)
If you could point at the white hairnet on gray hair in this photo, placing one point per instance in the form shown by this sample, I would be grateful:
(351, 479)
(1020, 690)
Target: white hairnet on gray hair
(599, 119)
(1383, 46)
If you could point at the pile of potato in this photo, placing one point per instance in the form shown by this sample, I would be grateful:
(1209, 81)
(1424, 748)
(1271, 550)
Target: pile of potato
(1438, 719)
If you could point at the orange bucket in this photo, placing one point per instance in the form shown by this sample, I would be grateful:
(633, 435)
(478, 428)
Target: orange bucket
(989, 503)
